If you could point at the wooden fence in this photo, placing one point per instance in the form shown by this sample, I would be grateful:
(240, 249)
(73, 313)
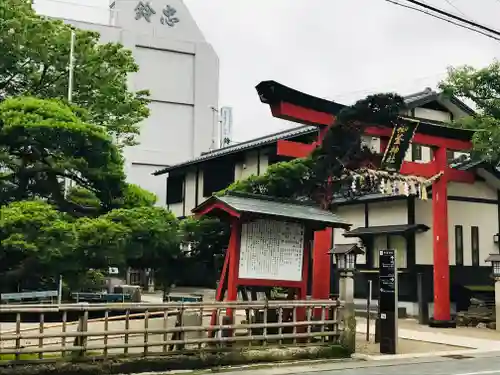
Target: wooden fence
(162, 329)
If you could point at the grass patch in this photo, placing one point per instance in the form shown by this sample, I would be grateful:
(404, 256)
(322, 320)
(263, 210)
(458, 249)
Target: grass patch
(218, 360)
(33, 357)
(26, 357)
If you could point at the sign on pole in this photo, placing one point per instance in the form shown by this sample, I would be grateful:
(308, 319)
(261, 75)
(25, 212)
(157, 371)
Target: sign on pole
(226, 126)
(388, 301)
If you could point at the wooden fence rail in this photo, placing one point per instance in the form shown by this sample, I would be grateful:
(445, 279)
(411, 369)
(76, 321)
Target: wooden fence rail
(163, 329)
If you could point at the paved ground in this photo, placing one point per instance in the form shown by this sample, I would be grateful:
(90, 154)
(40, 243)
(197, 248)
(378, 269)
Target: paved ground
(480, 364)
(466, 337)
(404, 346)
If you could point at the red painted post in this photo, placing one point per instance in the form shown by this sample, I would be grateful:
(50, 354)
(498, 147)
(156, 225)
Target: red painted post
(321, 264)
(234, 260)
(302, 290)
(440, 232)
(321, 269)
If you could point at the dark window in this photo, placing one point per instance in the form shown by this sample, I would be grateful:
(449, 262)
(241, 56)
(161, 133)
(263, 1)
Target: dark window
(474, 242)
(217, 176)
(175, 189)
(459, 245)
(416, 152)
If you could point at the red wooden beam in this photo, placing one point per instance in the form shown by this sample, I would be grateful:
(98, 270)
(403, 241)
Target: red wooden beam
(301, 115)
(294, 149)
(423, 139)
(426, 170)
(307, 116)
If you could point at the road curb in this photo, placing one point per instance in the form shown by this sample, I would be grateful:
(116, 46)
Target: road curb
(389, 357)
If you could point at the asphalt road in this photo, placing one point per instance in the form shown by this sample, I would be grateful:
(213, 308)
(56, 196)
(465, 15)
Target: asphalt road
(452, 367)
(479, 364)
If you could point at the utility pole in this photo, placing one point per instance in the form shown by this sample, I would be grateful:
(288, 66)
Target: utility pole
(71, 65)
(59, 290)
(67, 181)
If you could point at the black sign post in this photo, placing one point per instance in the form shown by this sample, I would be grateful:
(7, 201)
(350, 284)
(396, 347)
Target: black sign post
(388, 302)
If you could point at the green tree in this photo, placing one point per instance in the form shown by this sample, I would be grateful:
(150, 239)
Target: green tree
(100, 243)
(152, 241)
(42, 142)
(206, 240)
(482, 87)
(133, 196)
(36, 241)
(34, 60)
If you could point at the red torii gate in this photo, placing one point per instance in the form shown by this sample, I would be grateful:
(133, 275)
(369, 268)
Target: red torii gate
(293, 105)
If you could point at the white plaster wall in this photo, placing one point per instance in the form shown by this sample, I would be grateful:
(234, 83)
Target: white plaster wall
(423, 241)
(467, 214)
(456, 111)
(177, 209)
(252, 164)
(432, 114)
(190, 192)
(477, 190)
(355, 215)
(264, 163)
(201, 198)
(387, 213)
(248, 166)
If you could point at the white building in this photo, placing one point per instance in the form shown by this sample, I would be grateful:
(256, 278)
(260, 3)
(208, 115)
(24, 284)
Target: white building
(177, 65)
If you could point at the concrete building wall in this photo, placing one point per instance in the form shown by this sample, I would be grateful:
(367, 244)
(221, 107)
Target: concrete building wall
(181, 70)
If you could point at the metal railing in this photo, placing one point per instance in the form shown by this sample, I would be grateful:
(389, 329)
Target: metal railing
(162, 329)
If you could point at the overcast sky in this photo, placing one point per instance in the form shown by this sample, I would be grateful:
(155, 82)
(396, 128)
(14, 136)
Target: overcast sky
(342, 50)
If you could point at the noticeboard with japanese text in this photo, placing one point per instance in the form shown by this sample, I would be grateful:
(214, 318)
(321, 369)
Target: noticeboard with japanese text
(271, 250)
(398, 145)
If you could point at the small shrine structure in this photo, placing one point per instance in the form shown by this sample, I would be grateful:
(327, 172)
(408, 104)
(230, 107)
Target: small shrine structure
(270, 243)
